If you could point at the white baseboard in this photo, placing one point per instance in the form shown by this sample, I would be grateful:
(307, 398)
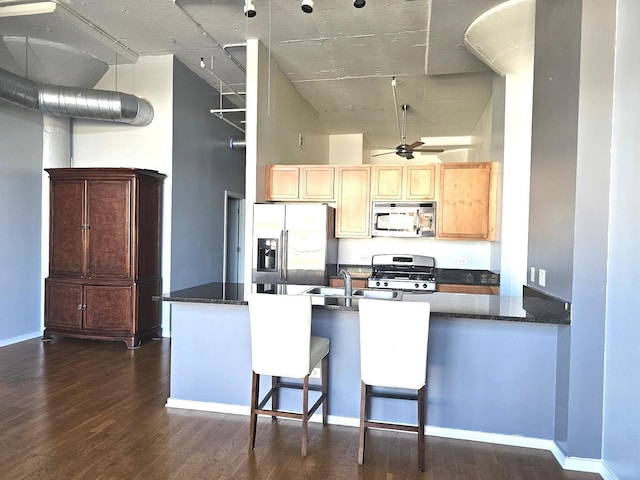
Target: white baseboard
(244, 410)
(21, 338)
(607, 474)
(207, 406)
(495, 438)
(568, 463)
(590, 465)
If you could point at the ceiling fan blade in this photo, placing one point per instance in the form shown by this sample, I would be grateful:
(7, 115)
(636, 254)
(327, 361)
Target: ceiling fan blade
(428, 150)
(414, 145)
(380, 154)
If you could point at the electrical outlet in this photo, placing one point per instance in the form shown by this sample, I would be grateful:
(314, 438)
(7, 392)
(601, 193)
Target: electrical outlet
(462, 260)
(542, 277)
(532, 275)
(315, 373)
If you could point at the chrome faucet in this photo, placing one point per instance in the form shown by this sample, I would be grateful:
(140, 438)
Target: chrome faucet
(348, 286)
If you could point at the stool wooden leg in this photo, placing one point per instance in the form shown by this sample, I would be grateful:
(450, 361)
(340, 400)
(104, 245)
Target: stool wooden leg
(363, 419)
(325, 389)
(421, 422)
(253, 421)
(305, 415)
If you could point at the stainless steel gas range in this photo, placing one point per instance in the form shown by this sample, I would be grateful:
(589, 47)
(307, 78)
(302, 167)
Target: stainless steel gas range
(403, 272)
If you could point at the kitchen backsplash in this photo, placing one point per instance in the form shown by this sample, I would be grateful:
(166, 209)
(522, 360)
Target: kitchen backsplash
(448, 254)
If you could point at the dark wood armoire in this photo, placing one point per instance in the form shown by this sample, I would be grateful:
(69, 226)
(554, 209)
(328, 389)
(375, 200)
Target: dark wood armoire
(105, 250)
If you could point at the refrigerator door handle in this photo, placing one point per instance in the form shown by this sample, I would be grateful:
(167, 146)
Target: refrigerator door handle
(281, 251)
(285, 257)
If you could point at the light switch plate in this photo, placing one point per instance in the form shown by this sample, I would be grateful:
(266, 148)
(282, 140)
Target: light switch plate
(542, 277)
(532, 274)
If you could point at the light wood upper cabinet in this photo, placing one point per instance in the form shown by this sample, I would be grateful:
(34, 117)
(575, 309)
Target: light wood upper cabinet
(386, 182)
(403, 182)
(317, 182)
(419, 182)
(466, 203)
(282, 182)
(354, 201)
(300, 182)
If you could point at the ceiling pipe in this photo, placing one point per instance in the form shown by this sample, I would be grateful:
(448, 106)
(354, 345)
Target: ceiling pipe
(237, 144)
(75, 102)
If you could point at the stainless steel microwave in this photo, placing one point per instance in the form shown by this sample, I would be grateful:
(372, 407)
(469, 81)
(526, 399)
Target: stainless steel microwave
(403, 219)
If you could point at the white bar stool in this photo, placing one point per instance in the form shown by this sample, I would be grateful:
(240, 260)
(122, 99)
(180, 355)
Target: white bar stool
(282, 346)
(393, 354)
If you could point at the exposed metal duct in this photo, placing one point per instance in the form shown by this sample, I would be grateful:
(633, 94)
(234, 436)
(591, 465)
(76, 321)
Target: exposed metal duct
(237, 144)
(75, 102)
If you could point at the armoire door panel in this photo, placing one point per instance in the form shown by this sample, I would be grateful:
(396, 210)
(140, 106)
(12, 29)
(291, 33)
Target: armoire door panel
(66, 246)
(109, 215)
(64, 305)
(108, 308)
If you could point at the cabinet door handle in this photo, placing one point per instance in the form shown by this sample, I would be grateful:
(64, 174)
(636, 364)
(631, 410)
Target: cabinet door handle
(86, 227)
(82, 307)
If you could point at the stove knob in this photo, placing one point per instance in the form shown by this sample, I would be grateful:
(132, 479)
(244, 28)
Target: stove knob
(424, 285)
(417, 285)
(377, 284)
(386, 284)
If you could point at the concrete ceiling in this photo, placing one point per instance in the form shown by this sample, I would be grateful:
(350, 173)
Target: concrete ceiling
(339, 58)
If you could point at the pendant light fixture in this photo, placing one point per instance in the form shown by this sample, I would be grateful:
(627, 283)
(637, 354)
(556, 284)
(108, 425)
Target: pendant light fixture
(249, 9)
(307, 6)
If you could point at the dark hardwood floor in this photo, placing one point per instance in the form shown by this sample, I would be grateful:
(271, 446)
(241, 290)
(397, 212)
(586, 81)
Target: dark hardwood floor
(80, 409)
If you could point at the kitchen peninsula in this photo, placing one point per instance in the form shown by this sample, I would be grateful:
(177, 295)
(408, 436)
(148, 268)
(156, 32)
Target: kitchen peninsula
(491, 363)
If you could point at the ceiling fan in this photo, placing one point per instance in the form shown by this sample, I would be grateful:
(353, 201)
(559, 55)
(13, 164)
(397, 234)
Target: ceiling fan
(405, 150)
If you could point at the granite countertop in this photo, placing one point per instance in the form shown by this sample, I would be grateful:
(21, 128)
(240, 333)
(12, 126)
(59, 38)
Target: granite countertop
(215, 292)
(533, 306)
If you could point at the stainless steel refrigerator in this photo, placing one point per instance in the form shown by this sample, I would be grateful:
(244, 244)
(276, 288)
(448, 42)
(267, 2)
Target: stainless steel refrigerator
(293, 244)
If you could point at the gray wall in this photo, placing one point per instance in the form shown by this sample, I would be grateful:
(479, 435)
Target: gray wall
(553, 174)
(20, 223)
(582, 346)
(568, 220)
(553, 143)
(483, 375)
(497, 155)
(621, 444)
(585, 220)
(203, 168)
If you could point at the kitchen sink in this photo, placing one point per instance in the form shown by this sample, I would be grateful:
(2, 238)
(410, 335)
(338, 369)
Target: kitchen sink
(326, 291)
(357, 293)
(378, 294)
